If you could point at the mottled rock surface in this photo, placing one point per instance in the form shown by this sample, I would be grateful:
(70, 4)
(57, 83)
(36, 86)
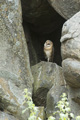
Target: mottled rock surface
(70, 48)
(66, 8)
(70, 38)
(46, 75)
(56, 91)
(14, 53)
(74, 100)
(15, 73)
(70, 51)
(43, 74)
(71, 68)
(5, 116)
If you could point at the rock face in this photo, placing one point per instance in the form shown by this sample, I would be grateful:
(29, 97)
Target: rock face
(66, 8)
(70, 51)
(15, 73)
(71, 69)
(5, 116)
(74, 100)
(71, 38)
(48, 85)
(44, 75)
(56, 91)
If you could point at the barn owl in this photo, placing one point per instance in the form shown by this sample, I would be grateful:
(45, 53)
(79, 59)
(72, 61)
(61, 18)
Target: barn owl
(49, 50)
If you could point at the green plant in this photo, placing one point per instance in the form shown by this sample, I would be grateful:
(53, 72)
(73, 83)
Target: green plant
(31, 106)
(63, 111)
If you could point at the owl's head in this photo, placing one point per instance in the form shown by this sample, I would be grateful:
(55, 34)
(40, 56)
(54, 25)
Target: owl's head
(48, 44)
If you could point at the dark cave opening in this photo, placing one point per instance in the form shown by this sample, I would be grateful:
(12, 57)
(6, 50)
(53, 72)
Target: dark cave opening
(40, 40)
(37, 40)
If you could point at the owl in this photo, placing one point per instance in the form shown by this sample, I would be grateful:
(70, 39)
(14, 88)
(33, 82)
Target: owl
(49, 50)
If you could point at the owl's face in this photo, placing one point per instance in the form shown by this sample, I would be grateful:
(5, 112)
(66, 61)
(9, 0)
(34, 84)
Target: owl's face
(48, 44)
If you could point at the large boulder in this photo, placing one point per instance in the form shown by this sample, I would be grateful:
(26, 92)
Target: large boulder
(66, 8)
(46, 75)
(14, 53)
(15, 73)
(43, 74)
(70, 50)
(70, 38)
(71, 68)
(56, 91)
